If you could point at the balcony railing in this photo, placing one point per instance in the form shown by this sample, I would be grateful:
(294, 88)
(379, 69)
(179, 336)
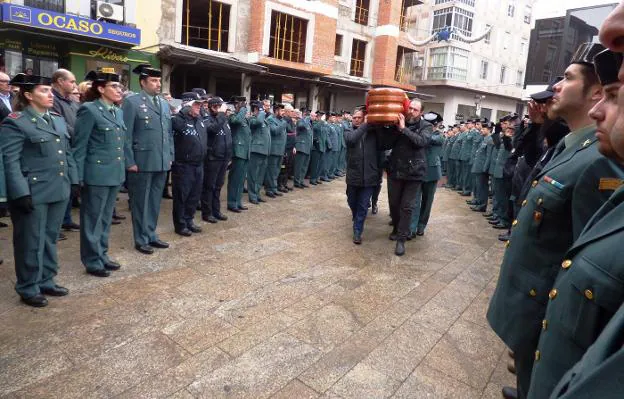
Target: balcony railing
(446, 72)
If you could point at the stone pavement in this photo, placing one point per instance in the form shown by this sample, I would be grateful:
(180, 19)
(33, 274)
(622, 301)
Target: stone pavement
(274, 303)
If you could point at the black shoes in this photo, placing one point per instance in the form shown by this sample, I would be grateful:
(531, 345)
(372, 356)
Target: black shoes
(209, 219)
(271, 195)
(144, 249)
(195, 229)
(399, 250)
(278, 193)
(115, 221)
(510, 393)
(184, 232)
(99, 273)
(493, 221)
(357, 238)
(500, 226)
(283, 189)
(242, 208)
(37, 301)
(393, 236)
(62, 237)
(112, 265)
(57, 290)
(159, 244)
(375, 209)
(478, 208)
(420, 232)
(220, 216)
(411, 236)
(261, 199)
(255, 202)
(235, 210)
(119, 217)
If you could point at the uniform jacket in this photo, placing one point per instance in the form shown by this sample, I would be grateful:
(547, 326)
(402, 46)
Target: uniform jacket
(475, 145)
(68, 109)
(260, 134)
(407, 160)
(448, 145)
(278, 135)
(465, 153)
(489, 142)
(219, 137)
(334, 136)
(457, 145)
(98, 145)
(341, 138)
(326, 132)
(599, 374)
(565, 195)
(480, 155)
(149, 139)
(502, 155)
(38, 159)
(363, 168)
(291, 134)
(432, 154)
(303, 143)
(318, 142)
(190, 138)
(588, 292)
(497, 146)
(241, 134)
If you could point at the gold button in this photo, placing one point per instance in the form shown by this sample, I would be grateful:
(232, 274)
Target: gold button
(34, 178)
(60, 151)
(589, 294)
(507, 244)
(515, 222)
(533, 292)
(534, 183)
(98, 161)
(524, 202)
(537, 355)
(540, 201)
(119, 158)
(119, 148)
(62, 163)
(553, 293)
(61, 174)
(544, 324)
(58, 140)
(118, 138)
(566, 264)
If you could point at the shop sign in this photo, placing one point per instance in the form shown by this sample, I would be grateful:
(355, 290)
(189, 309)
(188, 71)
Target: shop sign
(49, 20)
(10, 44)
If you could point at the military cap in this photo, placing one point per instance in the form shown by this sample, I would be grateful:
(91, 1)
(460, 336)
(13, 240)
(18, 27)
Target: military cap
(543, 96)
(607, 64)
(215, 101)
(29, 81)
(320, 112)
(433, 117)
(146, 70)
(190, 98)
(237, 99)
(586, 52)
(333, 113)
(105, 75)
(199, 90)
(278, 105)
(513, 117)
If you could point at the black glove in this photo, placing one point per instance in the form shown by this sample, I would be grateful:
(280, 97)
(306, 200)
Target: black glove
(75, 190)
(24, 204)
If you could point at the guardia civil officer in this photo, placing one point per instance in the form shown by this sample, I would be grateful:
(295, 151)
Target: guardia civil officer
(217, 160)
(241, 143)
(277, 126)
(480, 167)
(335, 137)
(589, 289)
(454, 158)
(424, 198)
(303, 146)
(190, 140)
(40, 174)
(99, 136)
(318, 148)
(563, 198)
(465, 156)
(327, 155)
(260, 148)
(478, 125)
(149, 155)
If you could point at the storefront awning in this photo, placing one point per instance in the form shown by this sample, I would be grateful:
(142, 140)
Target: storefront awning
(348, 83)
(188, 55)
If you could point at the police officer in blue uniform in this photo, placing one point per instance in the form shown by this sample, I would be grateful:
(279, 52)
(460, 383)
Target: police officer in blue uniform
(40, 174)
(149, 155)
(99, 135)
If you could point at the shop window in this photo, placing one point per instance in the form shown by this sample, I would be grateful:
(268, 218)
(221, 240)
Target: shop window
(288, 37)
(11, 63)
(49, 5)
(362, 8)
(406, 69)
(358, 56)
(338, 48)
(206, 24)
(122, 69)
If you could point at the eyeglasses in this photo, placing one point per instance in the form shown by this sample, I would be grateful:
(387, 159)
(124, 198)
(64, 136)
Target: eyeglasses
(115, 86)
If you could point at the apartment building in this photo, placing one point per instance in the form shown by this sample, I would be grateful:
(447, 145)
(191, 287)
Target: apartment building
(484, 78)
(40, 36)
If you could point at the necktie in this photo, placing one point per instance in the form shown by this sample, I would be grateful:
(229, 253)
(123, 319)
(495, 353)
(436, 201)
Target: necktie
(112, 111)
(47, 119)
(156, 103)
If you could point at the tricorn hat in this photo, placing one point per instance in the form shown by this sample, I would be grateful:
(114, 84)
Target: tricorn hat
(607, 64)
(105, 75)
(28, 81)
(146, 70)
(586, 52)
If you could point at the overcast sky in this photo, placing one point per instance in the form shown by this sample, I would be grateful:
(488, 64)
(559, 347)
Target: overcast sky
(553, 8)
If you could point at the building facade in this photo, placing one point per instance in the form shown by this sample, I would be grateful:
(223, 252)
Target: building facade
(39, 36)
(484, 78)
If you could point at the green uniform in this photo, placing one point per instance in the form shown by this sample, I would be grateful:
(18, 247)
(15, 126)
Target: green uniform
(98, 150)
(303, 145)
(335, 139)
(260, 148)
(342, 158)
(465, 155)
(424, 201)
(149, 146)
(501, 186)
(38, 162)
(565, 195)
(483, 150)
(455, 152)
(326, 157)
(241, 144)
(316, 152)
(450, 180)
(588, 292)
(277, 128)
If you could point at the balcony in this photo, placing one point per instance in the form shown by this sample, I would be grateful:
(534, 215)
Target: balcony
(447, 73)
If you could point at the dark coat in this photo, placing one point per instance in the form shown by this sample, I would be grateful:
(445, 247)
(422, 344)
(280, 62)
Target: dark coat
(408, 158)
(189, 138)
(68, 109)
(362, 156)
(219, 137)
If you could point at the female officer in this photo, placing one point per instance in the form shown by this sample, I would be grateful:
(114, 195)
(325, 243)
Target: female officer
(40, 173)
(98, 150)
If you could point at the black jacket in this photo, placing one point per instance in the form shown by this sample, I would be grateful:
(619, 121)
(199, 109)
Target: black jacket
(189, 138)
(363, 168)
(68, 109)
(219, 137)
(408, 158)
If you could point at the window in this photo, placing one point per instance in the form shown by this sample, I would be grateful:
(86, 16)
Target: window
(206, 24)
(457, 18)
(528, 10)
(448, 63)
(288, 37)
(49, 5)
(338, 48)
(361, 11)
(523, 46)
(406, 70)
(487, 37)
(511, 8)
(406, 21)
(471, 3)
(484, 69)
(550, 57)
(358, 55)
(502, 74)
(507, 40)
(519, 78)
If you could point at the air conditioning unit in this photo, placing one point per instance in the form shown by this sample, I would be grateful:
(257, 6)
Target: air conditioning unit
(106, 10)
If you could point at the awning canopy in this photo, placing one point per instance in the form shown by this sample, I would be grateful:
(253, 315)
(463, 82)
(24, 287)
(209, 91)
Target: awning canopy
(188, 55)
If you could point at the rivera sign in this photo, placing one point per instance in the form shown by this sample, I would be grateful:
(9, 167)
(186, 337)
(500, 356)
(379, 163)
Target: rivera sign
(49, 20)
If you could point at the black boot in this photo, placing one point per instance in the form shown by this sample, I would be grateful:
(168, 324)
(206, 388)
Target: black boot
(399, 250)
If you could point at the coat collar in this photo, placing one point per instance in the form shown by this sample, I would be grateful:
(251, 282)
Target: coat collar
(584, 141)
(150, 102)
(104, 109)
(41, 124)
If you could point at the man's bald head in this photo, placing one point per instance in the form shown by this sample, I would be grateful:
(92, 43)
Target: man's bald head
(4, 84)
(64, 81)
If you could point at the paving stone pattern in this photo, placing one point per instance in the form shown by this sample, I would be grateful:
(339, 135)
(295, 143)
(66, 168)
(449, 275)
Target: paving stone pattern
(274, 303)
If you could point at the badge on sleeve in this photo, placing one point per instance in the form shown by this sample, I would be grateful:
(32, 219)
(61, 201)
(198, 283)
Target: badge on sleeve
(609, 183)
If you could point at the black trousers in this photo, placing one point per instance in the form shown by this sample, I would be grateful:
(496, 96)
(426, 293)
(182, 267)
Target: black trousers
(214, 177)
(402, 195)
(186, 180)
(287, 169)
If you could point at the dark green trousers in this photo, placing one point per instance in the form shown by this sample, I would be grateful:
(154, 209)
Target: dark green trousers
(424, 203)
(255, 174)
(96, 213)
(274, 164)
(145, 191)
(236, 181)
(34, 246)
(316, 158)
(301, 167)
